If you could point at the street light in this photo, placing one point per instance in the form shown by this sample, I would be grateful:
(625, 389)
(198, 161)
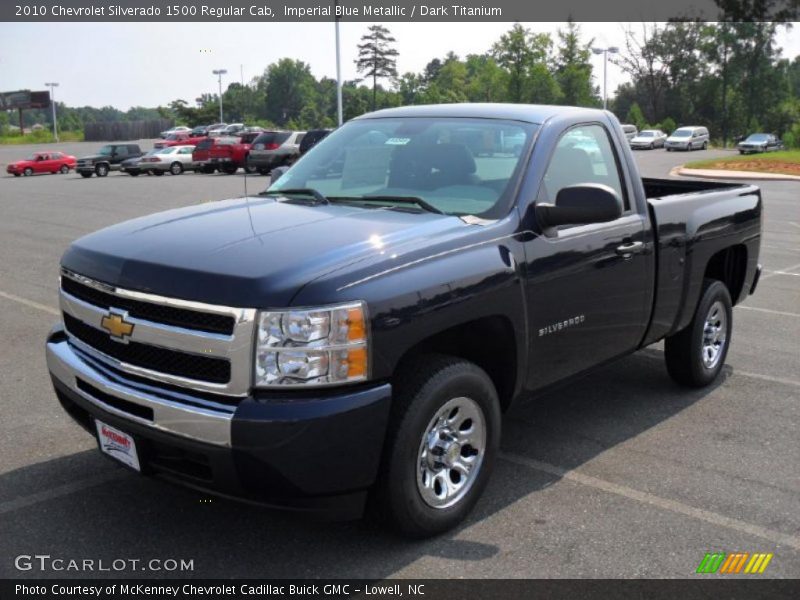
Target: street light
(338, 71)
(605, 52)
(219, 73)
(53, 87)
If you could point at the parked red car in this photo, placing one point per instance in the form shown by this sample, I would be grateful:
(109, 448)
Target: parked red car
(179, 139)
(229, 154)
(201, 155)
(42, 162)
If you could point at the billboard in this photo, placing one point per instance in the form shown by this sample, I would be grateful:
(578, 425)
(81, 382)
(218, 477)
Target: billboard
(24, 99)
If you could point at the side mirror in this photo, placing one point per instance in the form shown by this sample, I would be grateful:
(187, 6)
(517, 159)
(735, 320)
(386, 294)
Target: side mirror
(276, 174)
(581, 205)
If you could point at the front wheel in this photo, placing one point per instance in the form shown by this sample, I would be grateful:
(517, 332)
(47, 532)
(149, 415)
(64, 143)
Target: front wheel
(64, 169)
(696, 354)
(443, 438)
(86, 174)
(27, 172)
(176, 168)
(101, 170)
(705, 145)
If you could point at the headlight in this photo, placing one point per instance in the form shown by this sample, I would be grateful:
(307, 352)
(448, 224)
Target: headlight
(312, 347)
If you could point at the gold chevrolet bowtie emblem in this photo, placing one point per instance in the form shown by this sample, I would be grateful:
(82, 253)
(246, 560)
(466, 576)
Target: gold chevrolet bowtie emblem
(117, 326)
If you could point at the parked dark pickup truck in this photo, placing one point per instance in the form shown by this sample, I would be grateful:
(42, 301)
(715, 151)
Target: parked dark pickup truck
(358, 330)
(108, 158)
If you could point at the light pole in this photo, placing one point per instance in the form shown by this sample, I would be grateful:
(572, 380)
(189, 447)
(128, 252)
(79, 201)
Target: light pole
(53, 87)
(338, 70)
(605, 52)
(219, 73)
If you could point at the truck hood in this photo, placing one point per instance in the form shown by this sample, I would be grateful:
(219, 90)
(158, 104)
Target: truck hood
(94, 157)
(249, 252)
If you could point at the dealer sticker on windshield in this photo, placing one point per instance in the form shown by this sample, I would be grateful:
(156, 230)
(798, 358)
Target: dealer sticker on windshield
(397, 141)
(117, 444)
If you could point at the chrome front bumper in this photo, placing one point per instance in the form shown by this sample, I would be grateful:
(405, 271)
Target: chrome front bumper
(202, 420)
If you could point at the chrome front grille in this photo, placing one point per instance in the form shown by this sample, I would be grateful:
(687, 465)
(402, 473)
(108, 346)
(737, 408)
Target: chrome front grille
(196, 346)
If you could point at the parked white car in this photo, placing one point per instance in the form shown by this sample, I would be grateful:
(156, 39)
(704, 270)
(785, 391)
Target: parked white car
(688, 138)
(178, 129)
(649, 138)
(175, 159)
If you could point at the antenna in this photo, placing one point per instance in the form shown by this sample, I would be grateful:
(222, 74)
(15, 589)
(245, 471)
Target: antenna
(244, 118)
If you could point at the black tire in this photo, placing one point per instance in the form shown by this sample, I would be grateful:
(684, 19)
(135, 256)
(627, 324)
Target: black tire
(263, 171)
(101, 170)
(705, 145)
(16, 175)
(652, 145)
(27, 172)
(86, 174)
(685, 351)
(176, 168)
(207, 170)
(423, 388)
(133, 173)
(157, 172)
(64, 169)
(230, 170)
(669, 149)
(250, 169)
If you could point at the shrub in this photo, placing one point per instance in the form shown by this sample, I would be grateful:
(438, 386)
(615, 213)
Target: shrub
(668, 125)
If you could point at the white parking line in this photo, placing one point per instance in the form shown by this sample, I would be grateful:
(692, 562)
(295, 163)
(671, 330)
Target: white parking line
(663, 503)
(30, 303)
(770, 311)
(784, 271)
(56, 492)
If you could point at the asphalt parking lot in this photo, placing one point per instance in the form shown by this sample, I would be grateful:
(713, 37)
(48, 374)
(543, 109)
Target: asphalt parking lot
(621, 474)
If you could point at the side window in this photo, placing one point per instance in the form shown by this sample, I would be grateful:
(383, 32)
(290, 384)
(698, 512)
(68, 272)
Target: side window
(121, 151)
(583, 155)
(299, 138)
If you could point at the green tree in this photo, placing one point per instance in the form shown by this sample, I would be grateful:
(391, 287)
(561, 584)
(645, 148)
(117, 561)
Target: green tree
(635, 117)
(376, 57)
(514, 53)
(289, 86)
(573, 68)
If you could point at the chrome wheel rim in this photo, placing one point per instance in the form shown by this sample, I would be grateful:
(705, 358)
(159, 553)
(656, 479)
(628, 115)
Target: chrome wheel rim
(715, 335)
(451, 453)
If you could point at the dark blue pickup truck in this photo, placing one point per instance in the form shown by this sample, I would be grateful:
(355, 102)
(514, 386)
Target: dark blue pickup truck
(355, 332)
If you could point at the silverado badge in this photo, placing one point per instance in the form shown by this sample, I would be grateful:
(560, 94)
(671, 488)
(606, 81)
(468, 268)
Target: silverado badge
(117, 326)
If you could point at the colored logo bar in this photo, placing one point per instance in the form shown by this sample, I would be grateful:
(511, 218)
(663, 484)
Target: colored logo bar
(734, 562)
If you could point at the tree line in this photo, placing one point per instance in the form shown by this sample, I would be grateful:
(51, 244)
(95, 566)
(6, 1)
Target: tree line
(728, 76)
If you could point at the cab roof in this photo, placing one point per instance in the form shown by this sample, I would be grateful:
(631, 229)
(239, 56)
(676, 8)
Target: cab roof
(529, 113)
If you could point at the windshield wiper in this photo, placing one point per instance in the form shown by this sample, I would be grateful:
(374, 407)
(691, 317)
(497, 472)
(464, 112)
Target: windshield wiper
(398, 199)
(297, 192)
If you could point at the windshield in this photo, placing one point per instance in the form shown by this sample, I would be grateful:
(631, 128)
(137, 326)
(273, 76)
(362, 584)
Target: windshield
(647, 134)
(458, 166)
(682, 133)
(757, 137)
(169, 150)
(106, 151)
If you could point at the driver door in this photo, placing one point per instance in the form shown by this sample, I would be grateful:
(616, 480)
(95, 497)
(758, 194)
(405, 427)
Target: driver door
(586, 285)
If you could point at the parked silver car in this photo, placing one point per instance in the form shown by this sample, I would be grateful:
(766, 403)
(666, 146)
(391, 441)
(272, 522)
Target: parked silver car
(275, 148)
(175, 159)
(630, 131)
(649, 138)
(688, 138)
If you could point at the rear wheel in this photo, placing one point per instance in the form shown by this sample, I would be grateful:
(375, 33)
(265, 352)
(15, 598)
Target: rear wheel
(16, 174)
(176, 168)
(27, 172)
(696, 354)
(64, 169)
(101, 170)
(86, 174)
(442, 441)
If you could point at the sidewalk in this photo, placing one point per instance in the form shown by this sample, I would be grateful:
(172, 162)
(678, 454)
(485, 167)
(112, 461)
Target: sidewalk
(725, 174)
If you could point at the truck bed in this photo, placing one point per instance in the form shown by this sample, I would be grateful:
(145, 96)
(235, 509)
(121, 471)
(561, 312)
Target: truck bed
(657, 189)
(702, 229)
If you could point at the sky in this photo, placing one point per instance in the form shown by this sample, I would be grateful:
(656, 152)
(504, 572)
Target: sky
(151, 64)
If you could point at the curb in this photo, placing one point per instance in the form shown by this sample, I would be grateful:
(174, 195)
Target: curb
(724, 174)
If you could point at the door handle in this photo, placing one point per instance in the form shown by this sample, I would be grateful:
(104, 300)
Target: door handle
(629, 249)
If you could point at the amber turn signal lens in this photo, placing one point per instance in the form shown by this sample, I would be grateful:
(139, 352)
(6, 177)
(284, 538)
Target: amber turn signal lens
(357, 363)
(356, 330)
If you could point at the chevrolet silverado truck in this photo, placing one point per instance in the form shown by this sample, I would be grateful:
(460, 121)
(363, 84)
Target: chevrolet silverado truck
(108, 158)
(352, 336)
